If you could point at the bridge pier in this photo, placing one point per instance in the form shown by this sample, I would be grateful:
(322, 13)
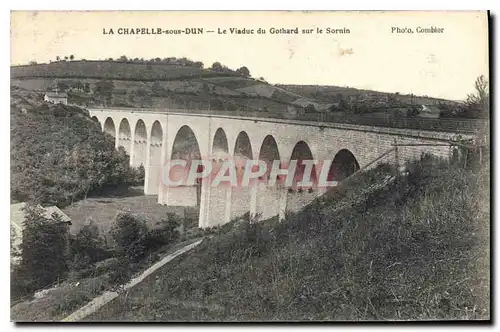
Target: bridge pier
(241, 199)
(152, 180)
(269, 201)
(139, 154)
(219, 206)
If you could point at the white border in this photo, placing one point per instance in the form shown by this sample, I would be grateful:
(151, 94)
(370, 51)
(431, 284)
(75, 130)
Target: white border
(198, 5)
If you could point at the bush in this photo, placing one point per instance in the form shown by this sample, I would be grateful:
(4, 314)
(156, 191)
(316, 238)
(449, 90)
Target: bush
(134, 240)
(43, 253)
(164, 232)
(106, 266)
(88, 247)
(128, 232)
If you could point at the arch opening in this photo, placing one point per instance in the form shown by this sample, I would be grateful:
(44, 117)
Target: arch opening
(241, 196)
(125, 136)
(269, 153)
(153, 171)
(140, 144)
(185, 147)
(268, 198)
(220, 145)
(344, 164)
(220, 199)
(300, 153)
(109, 127)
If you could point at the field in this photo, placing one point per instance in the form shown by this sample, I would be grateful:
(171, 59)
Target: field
(109, 70)
(103, 210)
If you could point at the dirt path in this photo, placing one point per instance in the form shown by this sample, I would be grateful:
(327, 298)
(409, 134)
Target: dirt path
(106, 297)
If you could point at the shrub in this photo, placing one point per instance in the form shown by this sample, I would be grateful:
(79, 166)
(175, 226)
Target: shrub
(163, 233)
(43, 252)
(128, 232)
(88, 247)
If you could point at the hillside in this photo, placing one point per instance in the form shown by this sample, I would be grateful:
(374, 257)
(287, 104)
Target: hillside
(416, 248)
(162, 85)
(58, 154)
(330, 92)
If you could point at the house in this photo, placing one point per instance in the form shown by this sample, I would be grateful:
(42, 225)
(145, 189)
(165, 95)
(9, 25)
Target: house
(17, 217)
(56, 98)
(292, 111)
(429, 111)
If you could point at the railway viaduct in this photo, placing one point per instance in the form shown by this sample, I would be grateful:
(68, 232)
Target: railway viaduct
(152, 137)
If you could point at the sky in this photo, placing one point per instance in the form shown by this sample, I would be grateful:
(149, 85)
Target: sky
(372, 56)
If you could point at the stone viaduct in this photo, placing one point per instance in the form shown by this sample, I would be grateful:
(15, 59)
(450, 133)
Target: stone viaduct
(152, 137)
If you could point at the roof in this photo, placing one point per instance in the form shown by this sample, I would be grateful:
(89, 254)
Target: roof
(430, 109)
(17, 214)
(56, 95)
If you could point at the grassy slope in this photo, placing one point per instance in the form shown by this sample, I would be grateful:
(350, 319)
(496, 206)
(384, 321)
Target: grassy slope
(185, 87)
(109, 70)
(416, 250)
(329, 92)
(71, 295)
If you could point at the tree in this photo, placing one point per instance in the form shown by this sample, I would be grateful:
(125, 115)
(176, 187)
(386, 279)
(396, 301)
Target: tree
(123, 58)
(43, 249)
(104, 88)
(310, 108)
(32, 63)
(88, 246)
(72, 57)
(58, 58)
(62, 86)
(127, 232)
(479, 101)
(243, 71)
(413, 110)
(65, 58)
(217, 67)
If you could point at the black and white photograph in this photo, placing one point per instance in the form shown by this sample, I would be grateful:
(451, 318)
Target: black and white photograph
(250, 166)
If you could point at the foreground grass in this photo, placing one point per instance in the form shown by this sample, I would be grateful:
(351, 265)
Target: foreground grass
(71, 295)
(417, 249)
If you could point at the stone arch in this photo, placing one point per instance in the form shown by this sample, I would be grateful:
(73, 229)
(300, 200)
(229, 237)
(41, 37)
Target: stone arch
(268, 198)
(241, 196)
(343, 165)
(301, 152)
(140, 144)
(185, 147)
(153, 171)
(269, 152)
(109, 127)
(96, 120)
(243, 147)
(219, 144)
(301, 194)
(125, 135)
(219, 203)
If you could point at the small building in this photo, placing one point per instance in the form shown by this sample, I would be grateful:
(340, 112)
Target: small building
(17, 217)
(56, 98)
(429, 111)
